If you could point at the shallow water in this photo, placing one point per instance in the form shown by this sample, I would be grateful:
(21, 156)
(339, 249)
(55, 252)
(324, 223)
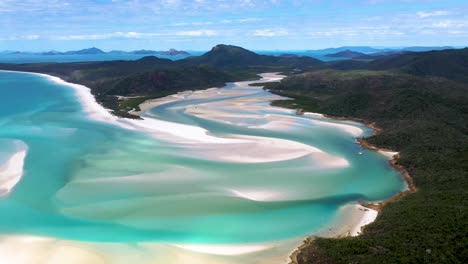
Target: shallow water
(88, 181)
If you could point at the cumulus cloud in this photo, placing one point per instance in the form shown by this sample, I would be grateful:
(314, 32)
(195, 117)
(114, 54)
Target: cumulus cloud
(271, 32)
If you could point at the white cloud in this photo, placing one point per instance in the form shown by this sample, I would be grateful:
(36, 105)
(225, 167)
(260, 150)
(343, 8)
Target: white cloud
(225, 21)
(431, 14)
(107, 36)
(204, 32)
(27, 37)
(136, 34)
(271, 32)
(82, 37)
(375, 31)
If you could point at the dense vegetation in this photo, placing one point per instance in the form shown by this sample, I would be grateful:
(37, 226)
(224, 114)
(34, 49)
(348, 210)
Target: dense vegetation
(452, 64)
(425, 119)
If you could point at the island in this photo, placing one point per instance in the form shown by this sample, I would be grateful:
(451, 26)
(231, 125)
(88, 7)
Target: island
(174, 52)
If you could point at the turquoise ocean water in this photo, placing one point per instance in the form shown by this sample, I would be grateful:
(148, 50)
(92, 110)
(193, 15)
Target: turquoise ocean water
(91, 181)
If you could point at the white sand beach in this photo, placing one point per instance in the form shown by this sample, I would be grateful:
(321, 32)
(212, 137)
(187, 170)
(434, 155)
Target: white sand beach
(350, 220)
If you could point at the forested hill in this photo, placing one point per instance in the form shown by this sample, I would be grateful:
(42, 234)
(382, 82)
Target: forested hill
(452, 64)
(225, 56)
(420, 101)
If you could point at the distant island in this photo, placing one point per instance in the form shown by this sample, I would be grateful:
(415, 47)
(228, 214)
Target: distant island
(174, 52)
(96, 51)
(367, 49)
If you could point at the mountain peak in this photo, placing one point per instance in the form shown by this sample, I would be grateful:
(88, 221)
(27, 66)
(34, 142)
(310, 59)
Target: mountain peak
(174, 52)
(92, 50)
(233, 56)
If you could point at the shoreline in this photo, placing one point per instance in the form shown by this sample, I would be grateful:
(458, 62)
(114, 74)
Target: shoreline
(393, 162)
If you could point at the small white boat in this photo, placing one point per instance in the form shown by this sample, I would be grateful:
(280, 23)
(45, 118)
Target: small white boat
(360, 153)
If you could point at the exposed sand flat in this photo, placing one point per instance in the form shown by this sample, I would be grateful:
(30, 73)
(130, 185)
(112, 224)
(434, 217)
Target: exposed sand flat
(274, 121)
(260, 149)
(11, 170)
(219, 115)
(252, 149)
(208, 93)
(352, 130)
(282, 122)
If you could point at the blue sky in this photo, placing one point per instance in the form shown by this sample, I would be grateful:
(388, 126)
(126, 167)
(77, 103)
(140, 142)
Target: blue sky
(38, 25)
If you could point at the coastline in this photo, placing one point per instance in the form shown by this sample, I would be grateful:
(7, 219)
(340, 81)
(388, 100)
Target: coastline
(411, 188)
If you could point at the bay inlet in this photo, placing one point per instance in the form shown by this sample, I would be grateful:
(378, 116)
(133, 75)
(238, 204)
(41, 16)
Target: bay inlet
(212, 176)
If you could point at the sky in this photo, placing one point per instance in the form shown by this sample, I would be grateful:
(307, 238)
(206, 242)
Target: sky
(42, 25)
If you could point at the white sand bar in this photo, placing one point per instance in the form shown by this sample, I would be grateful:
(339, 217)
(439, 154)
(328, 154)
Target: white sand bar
(11, 170)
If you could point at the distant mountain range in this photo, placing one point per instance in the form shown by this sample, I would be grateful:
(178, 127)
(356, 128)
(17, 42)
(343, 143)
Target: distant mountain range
(340, 52)
(96, 51)
(367, 49)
